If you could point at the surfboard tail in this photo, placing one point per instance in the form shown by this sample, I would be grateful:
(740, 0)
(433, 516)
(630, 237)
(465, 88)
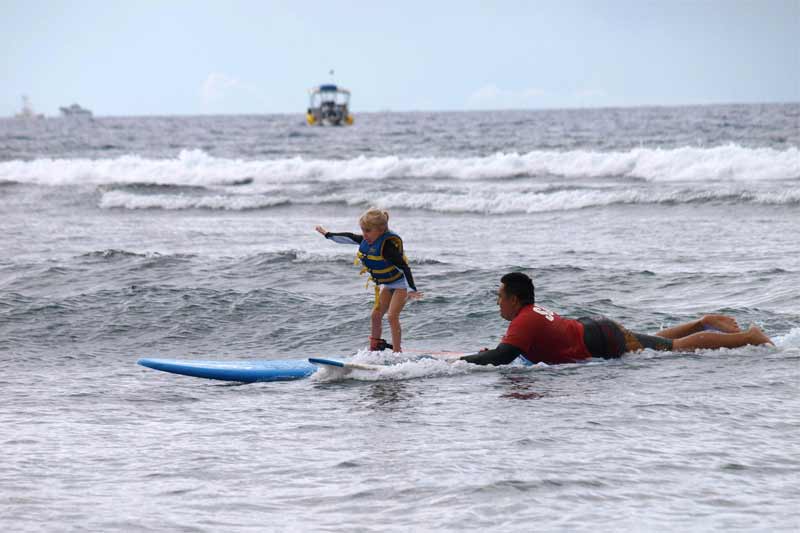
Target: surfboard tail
(343, 364)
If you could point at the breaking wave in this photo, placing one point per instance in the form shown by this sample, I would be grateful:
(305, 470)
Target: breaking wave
(729, 163)
(488, 200)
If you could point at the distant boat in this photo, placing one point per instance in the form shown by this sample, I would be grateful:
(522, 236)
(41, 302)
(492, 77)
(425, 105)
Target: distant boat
(75, 111)
(27, 112)
(329, 106)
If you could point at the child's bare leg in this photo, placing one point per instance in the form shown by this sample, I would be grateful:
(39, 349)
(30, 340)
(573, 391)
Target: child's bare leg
(721, 323)
(713, 340)
(384, 299)
(398, 301)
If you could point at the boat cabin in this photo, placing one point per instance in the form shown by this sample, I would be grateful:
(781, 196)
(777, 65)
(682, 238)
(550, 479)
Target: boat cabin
(329, 106)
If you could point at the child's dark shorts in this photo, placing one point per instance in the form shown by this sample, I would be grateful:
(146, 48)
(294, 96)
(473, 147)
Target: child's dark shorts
(605, 338)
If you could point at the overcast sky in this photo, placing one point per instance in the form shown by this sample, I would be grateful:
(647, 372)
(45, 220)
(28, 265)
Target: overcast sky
(210, 57)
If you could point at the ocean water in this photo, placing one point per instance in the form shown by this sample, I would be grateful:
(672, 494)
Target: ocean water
(192, 237)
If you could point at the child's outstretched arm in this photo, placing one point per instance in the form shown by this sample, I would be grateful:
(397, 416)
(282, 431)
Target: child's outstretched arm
(341, 238)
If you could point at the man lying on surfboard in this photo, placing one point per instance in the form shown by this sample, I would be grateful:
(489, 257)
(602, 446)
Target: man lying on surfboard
(541, 335)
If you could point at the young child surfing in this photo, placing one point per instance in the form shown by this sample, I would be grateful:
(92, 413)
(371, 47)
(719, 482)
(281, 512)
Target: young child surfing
(381, 252)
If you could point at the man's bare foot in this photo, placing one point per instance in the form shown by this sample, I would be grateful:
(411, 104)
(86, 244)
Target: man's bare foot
(757, 337)
(722, 323)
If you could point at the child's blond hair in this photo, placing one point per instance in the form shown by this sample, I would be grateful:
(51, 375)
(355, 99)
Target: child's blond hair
(374, 218)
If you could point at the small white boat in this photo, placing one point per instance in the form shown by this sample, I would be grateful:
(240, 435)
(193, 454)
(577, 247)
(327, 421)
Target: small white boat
(329, 106)
(75, 111)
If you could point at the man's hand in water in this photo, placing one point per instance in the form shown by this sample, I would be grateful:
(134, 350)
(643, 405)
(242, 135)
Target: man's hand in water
(321, 230)
(414, 295)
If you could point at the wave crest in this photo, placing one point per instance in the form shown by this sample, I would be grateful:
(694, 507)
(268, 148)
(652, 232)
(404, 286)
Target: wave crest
(728, 163)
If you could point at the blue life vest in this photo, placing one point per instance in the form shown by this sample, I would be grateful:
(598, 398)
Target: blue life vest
(371, 256)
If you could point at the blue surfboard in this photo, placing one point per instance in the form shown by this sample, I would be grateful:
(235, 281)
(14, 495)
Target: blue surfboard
(241, 371)
(251, 371)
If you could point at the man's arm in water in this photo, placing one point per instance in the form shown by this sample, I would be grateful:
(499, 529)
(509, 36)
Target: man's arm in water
(502, 355)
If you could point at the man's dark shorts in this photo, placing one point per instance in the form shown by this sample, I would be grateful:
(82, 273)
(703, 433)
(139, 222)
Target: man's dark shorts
(606, 338)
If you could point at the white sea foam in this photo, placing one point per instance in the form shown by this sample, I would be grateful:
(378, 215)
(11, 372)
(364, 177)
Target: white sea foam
(538, 181)
(126, 200)
(790, 341)
(490, 199)
(394, 367)
(499, 202)
(730, 163)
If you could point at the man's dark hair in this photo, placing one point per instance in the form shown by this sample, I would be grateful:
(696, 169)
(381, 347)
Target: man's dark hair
(519, 285)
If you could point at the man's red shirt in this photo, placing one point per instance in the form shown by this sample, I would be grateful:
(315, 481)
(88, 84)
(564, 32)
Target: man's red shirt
(545, 337)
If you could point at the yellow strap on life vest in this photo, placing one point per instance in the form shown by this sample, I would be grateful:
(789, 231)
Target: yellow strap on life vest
(361, 273)
(377, 302)
(393, 278)
(377, 297)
